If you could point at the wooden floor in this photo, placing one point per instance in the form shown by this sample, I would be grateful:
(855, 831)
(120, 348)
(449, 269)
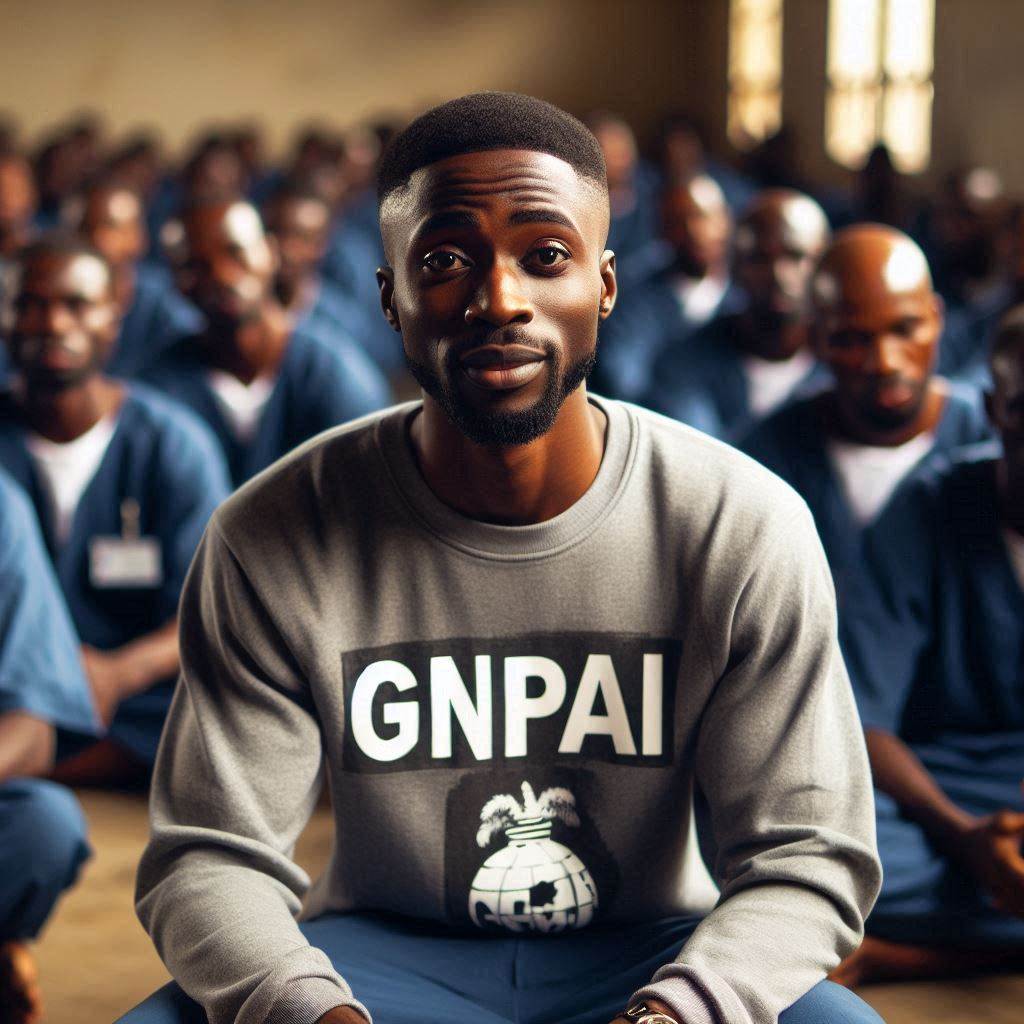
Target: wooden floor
(96, 962)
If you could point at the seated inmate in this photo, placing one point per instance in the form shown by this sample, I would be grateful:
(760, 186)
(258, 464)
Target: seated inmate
(122, 481)
(42, 686)
(875, 323)
(934, 649)
(742, 365)
(262, 385)
(517, 626)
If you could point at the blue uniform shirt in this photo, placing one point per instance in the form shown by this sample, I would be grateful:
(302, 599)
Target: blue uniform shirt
(319, 385)
(647, 321)
(40, 664)
(166, 461)
(704, 384)
(157, 317)
(792, 442)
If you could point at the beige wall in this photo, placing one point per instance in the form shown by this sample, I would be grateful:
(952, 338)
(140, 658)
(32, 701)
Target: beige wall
(176, 64)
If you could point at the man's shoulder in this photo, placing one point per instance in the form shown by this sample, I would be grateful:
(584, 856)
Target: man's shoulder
(703, 477)
(326, 474)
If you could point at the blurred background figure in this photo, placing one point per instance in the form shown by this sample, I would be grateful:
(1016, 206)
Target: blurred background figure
(689, 287)
(742, 365)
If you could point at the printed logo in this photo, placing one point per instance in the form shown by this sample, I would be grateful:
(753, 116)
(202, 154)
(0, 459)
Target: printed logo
(522, 854)
(532, 883)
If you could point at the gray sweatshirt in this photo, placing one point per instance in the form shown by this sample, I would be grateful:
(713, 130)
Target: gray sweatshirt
(513, 722)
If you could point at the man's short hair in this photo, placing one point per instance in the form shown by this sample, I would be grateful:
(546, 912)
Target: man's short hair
(489, 120)
(61, 242)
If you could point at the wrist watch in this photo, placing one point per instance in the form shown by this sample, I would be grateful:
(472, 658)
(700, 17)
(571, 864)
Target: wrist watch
(641, 1013)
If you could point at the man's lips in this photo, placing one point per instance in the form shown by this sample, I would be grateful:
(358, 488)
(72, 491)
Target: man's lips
(502, 367)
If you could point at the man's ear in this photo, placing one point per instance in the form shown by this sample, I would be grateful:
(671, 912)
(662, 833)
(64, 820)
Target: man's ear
(609, 284)
(386, 284)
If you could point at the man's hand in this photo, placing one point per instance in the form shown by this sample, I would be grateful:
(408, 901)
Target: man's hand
(652, 1004)
(342, 1015)
(992, 848)
(105, 674)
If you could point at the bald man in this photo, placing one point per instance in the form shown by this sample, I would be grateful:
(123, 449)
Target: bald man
(876, 322)
(111, 217)
(741, 366)
(690, 287)
(262, 386)
(934, 648)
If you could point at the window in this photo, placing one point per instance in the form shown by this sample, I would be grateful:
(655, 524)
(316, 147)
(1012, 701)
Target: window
(755, 71)
(880, 59)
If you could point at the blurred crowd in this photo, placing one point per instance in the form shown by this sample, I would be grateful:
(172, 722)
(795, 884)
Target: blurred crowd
(173, 327)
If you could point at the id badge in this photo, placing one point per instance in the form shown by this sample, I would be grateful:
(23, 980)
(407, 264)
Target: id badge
(128, 562)
(125, 563)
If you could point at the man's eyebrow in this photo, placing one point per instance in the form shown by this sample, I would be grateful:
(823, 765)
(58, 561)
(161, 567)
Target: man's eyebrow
(448, 219)
(542, 215)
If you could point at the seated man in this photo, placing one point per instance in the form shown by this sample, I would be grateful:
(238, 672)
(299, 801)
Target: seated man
(298, 219)
(262, 387)
(741, 366)
(123, 482)
(449, 608)
(670, 305)
(934, 648)
(42, 832)
(153, 313)
(876, 325)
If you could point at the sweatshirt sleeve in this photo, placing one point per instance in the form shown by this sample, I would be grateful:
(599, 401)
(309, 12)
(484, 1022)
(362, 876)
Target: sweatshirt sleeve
(217, 889)
(782, 764)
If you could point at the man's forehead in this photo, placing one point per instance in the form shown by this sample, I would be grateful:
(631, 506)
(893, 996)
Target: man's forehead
(519, 175)
(81, 273)
(237, 225)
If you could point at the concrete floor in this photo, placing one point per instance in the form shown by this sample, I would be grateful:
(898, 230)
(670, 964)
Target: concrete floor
(96, 961)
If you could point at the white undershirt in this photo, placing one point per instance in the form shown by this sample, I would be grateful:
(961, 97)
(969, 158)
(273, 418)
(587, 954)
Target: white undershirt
(66, 469)
(771, 382)
(241, 404)
(698, 300)
(870, 473)
(1015, 549)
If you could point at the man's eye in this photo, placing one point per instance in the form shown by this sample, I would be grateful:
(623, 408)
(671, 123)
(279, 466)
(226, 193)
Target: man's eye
(549, 255)
(440, 262)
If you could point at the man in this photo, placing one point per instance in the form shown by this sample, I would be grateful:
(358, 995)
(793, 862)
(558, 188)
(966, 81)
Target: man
(18, 201)
(741, 366)
(935, 655)
(876, 325)
(632, 186)
(153, 314)
(262, 386)
(298, 219)
(671, 305)
(122, 482)
(42, 832)
(485, 539)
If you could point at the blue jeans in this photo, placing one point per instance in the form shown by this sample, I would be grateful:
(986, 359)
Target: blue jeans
(42, 847)
(407, 972)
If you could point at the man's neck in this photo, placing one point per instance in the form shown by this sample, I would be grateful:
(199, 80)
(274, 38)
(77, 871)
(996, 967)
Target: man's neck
(513, 486)
(1011, 496)
(776, 343)
(125, 277)
(296, 295)
(64, 416)
(256, 347)
(844, 423)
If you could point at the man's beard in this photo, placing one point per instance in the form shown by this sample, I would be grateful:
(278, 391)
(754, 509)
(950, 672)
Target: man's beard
(881, 418)
(492, 428)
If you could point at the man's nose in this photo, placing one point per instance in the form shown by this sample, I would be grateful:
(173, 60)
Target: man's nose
(499, 298)
(884, 355)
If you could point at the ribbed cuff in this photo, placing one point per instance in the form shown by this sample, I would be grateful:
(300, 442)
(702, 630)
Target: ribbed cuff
(682, 991)
(307, 1001)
